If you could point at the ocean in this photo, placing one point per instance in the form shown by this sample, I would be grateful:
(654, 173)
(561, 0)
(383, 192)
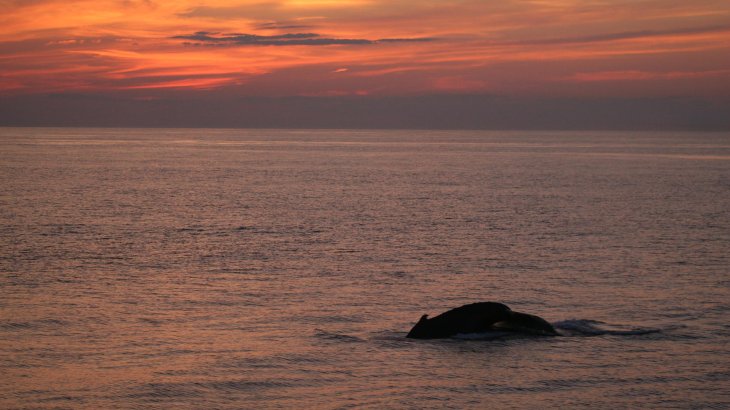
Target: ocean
(237, 269)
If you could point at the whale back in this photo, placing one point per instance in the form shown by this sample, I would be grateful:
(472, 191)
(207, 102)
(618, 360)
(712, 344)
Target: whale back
(526, 323)
(472, 318)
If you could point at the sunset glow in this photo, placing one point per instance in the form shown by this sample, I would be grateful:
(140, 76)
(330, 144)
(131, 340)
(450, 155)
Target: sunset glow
(367, 47)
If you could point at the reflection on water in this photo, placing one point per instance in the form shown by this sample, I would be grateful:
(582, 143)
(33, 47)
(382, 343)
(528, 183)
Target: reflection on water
(269, 269)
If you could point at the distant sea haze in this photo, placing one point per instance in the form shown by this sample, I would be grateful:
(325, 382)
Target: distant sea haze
(238, 268)
(367, 112)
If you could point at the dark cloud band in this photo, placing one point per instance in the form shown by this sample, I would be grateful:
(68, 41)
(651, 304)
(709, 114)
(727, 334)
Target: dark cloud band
(290, 39)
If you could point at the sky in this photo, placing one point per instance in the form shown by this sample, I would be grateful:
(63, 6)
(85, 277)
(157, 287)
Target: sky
(366, 63)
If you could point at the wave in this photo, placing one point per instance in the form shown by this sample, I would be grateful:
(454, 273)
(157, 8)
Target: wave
(587, 327)
(336, 337)
(32, 325)
(572, 328)
(489, 335)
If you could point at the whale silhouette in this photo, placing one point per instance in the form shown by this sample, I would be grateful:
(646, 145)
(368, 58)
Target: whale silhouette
(477, 318)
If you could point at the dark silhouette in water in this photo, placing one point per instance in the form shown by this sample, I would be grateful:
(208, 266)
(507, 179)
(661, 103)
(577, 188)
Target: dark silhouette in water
(477, 318)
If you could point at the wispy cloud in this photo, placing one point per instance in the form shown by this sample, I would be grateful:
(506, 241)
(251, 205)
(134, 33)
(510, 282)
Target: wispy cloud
(278, 25)
(625, 35)
(636, 75)
(290, 39)
(298, 47)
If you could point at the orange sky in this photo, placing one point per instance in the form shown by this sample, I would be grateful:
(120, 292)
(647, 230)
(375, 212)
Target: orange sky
(624, 48)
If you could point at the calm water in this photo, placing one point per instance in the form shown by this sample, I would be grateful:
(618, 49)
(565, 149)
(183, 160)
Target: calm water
(282, 269)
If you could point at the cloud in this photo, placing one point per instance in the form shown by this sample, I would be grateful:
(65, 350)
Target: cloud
(636, 75)
(405, 40)
(290, 39)
(258, 10)
(15, 4)
(626, 35)
(278, 25)
(513, 47)
(136, 3)
(280, 9)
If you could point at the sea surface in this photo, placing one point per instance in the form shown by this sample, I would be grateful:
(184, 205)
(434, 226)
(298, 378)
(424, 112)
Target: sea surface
(268, 269)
